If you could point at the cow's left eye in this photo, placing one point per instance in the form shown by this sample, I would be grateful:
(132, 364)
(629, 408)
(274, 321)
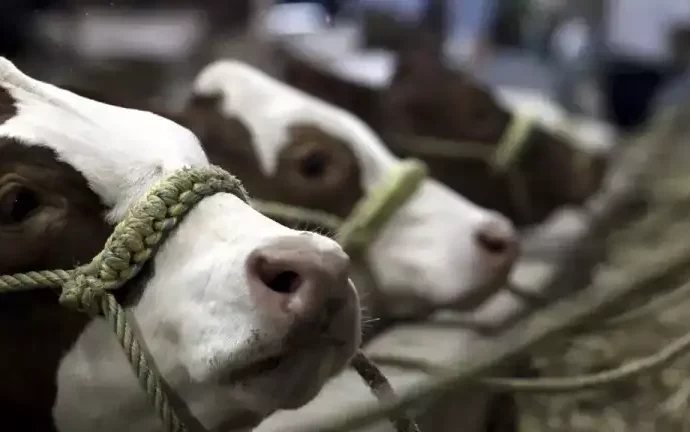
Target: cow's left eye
(17, 203)
(314, 165)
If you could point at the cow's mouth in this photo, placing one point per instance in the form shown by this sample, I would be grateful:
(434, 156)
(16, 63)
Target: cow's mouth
(285, 359)
(252, 370)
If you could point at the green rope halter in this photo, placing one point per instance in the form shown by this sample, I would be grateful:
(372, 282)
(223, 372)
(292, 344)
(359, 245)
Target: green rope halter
(513, 142)
(369, 216)
(134, 241)
(502, 160)
(510, 147)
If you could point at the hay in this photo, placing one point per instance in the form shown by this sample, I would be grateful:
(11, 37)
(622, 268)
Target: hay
(656, 401)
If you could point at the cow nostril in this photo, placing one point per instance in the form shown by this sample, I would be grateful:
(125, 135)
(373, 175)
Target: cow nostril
(285, 282)
(495, 245)
(277, 279)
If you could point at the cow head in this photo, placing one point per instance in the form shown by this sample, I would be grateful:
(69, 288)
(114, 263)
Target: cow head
(438, 250)
(426, 101)
(242, 315)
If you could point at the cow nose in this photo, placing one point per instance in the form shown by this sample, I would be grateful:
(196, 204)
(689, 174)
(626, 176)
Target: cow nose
(498, 245)
(302, 276)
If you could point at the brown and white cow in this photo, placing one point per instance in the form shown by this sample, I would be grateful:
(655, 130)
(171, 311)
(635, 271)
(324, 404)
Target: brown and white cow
(439, 250)
(242, 315)
(411, 94)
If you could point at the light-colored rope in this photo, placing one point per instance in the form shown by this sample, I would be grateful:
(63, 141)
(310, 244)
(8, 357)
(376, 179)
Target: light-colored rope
(369, 216)
(133, 242)
(502, 160)
(136, 239)
(513, 142)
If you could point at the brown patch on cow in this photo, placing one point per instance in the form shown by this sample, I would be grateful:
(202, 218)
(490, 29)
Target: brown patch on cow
(7, 108)
(226, 141)
(49, 219)
(315, 169)
(318, 170)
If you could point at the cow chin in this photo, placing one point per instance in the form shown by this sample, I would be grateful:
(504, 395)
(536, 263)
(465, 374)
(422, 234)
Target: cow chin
(289, 381)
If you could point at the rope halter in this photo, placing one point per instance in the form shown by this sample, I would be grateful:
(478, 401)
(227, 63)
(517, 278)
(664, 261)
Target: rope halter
(133, 242)
(368, 217)
(503, 160)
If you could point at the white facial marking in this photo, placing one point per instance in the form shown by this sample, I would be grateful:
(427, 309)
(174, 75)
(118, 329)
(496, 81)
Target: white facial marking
(204, 312)
(428, 251)
(116, 149)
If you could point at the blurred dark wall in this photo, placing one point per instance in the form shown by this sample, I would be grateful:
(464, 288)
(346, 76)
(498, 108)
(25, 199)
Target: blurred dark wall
(16, 19)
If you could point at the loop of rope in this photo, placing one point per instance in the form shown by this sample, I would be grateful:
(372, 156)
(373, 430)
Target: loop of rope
(132, 243)
(83, 293)
(502, 160)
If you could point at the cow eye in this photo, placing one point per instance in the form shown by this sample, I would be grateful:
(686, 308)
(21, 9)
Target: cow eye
(313, 165)
(17, 203)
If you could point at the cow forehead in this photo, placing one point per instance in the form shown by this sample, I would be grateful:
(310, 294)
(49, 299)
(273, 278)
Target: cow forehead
(119, 151)
(269, 107)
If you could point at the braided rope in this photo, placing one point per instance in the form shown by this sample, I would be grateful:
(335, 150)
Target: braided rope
(136, 239)
(133, 242)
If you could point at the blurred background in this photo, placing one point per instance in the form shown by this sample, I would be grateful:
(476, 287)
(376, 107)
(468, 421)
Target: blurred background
(565, 49)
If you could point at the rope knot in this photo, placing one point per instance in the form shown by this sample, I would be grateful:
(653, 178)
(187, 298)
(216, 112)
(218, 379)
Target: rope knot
(83, 293)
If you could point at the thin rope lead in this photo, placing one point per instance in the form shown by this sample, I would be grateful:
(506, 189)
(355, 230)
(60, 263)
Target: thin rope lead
(382, 389)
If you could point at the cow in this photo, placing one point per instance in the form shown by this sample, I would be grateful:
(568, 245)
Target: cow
(438, 250)
(243, 316)
(424, 107)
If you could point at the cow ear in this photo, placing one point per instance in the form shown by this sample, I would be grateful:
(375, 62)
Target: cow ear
(196, 114)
